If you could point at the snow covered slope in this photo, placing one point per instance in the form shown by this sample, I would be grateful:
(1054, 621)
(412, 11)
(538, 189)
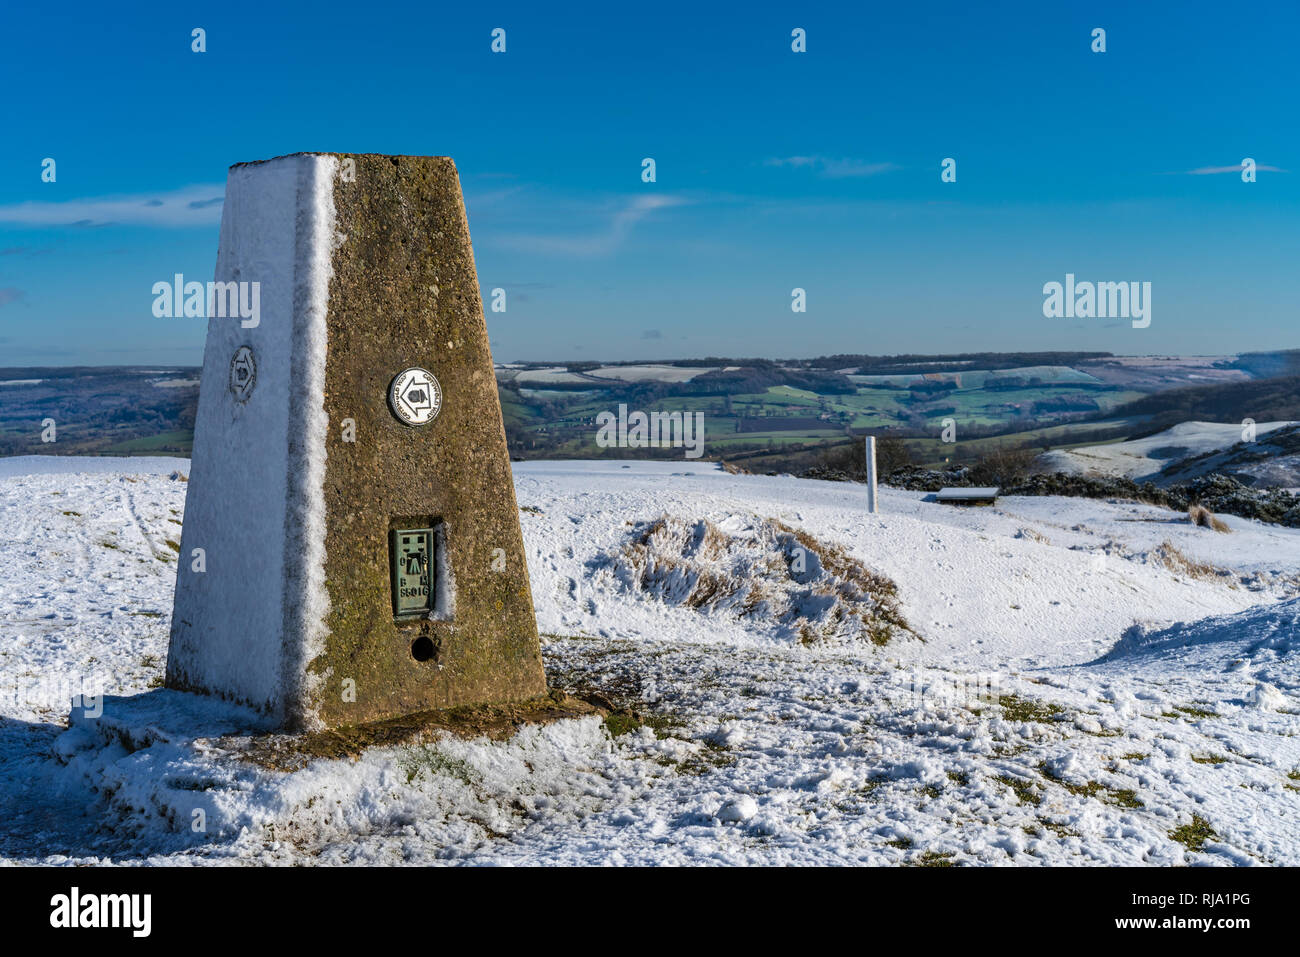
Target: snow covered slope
(1271, 461)
(1143, 459)
(1098, 682)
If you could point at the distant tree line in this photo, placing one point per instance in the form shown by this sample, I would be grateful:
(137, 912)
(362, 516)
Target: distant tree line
(920, 363)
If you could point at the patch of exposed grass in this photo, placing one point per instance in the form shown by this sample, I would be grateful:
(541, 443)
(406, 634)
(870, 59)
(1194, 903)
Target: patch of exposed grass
(900, 842)
(1016, 708)
(933, 859)
(1193, 836)
(708, 758)
(1025, 792)
(1126, 797)
(1209, 759)
(1088, 789)
(428, 761)
(1060, 830)
(555, 636)
(1009, 750)
(1191, 711)
(869, 786)
(619, 723)
(1123, 797)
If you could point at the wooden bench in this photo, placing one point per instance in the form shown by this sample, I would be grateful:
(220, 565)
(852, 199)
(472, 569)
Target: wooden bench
(967, 496)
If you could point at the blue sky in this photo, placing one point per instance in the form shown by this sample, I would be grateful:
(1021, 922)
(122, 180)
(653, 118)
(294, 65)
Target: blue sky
(775, 170)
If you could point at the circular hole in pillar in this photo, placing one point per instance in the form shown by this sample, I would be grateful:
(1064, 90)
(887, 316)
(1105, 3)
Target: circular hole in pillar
(422, 648)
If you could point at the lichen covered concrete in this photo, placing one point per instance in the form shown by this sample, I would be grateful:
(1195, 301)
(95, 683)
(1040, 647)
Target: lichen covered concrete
(404, 292)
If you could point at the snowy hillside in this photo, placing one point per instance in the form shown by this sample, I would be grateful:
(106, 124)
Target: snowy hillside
(1271, 461)
(1066, 681)
(1145, 459)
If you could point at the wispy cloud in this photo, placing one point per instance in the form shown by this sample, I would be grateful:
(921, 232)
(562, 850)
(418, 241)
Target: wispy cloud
(189, 206)
(519, 291)
(1211, 170)
(520, 286)
(833, 168)
(10, 294)
(619, 216)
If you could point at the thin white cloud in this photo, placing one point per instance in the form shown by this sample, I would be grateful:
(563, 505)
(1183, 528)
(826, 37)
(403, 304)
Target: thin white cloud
(833, 168)
(795, 161)
(1210, 170)
(189, 206)
(620, 219)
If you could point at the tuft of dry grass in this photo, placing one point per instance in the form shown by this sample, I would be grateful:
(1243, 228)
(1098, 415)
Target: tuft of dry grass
(1202, 516)
(1168, 555)
(705, 568)
(866, 594)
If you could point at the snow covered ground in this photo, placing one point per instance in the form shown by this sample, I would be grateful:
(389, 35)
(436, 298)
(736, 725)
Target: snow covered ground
(1093, 683)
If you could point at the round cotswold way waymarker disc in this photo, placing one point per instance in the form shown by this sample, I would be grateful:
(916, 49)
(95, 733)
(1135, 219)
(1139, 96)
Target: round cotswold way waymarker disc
(243, 373)
(415, 396)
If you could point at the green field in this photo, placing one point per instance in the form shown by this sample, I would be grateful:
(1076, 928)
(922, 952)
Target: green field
(165, 443)
(1039, 405)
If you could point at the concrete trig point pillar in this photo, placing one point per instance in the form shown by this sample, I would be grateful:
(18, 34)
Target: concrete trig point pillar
(871, 474)
(351, 548)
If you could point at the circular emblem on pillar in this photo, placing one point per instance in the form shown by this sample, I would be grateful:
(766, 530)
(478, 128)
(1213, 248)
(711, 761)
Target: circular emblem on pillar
(243, 373)
(415, 396)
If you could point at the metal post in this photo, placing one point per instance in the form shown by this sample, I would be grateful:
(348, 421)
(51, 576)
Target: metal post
(871, 474)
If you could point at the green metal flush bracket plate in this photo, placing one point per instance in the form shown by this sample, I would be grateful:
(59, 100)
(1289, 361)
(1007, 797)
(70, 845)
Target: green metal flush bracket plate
(412, 555)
